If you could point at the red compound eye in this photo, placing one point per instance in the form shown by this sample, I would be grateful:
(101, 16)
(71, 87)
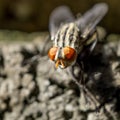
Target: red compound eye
(52, 53)
(69, 53)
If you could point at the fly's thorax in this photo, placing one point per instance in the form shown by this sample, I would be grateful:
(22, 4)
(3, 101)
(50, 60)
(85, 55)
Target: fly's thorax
(68, 35)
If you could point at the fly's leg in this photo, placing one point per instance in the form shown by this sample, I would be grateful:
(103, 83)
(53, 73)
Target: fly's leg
(88, 46)
(80, 81)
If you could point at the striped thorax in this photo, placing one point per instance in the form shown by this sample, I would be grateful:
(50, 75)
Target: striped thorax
(67, 35)
(66, 45)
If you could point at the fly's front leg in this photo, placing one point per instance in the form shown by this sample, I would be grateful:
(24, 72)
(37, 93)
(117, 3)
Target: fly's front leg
(88, 46)
(78, 76)
(76, 73)
(91, 43)
(87, 50)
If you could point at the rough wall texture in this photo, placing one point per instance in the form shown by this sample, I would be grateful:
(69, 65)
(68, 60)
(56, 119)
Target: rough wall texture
(31, 90)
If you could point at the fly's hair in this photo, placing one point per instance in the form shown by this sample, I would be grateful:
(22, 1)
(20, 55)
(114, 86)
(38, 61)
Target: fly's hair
(68, 35)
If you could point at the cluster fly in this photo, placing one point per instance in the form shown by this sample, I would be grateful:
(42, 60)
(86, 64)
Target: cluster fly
(73, 38)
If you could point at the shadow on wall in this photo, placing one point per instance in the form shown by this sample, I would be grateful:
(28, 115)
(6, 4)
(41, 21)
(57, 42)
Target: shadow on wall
(33, 15)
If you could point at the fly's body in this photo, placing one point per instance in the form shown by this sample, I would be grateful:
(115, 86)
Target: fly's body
(72, 36)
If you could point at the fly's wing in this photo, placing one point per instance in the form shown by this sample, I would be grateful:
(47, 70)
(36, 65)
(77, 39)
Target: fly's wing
(59, 16)
(90, 19)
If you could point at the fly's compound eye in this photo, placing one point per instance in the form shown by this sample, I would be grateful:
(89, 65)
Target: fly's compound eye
(69, 53)
(52, 53)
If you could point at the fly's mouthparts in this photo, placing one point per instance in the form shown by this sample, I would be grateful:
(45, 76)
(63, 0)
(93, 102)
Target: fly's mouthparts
(60, 63)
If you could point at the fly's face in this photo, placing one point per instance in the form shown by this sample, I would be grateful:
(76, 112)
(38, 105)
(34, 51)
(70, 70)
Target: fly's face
(63, 57)
(64, 51)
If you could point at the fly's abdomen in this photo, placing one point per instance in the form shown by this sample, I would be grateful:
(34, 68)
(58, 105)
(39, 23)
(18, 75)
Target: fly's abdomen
(68, 35)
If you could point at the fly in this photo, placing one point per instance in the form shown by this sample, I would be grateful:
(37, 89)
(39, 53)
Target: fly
(70, 35)
(72, 39)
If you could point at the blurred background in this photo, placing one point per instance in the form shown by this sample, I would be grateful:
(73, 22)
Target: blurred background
(33, 15)
(29, 87)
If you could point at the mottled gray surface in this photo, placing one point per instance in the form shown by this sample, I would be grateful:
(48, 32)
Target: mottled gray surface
(31, 90)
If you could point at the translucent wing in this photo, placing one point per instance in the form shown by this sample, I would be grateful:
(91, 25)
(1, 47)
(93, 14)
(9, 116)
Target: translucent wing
(59, 16)
(90, 19)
